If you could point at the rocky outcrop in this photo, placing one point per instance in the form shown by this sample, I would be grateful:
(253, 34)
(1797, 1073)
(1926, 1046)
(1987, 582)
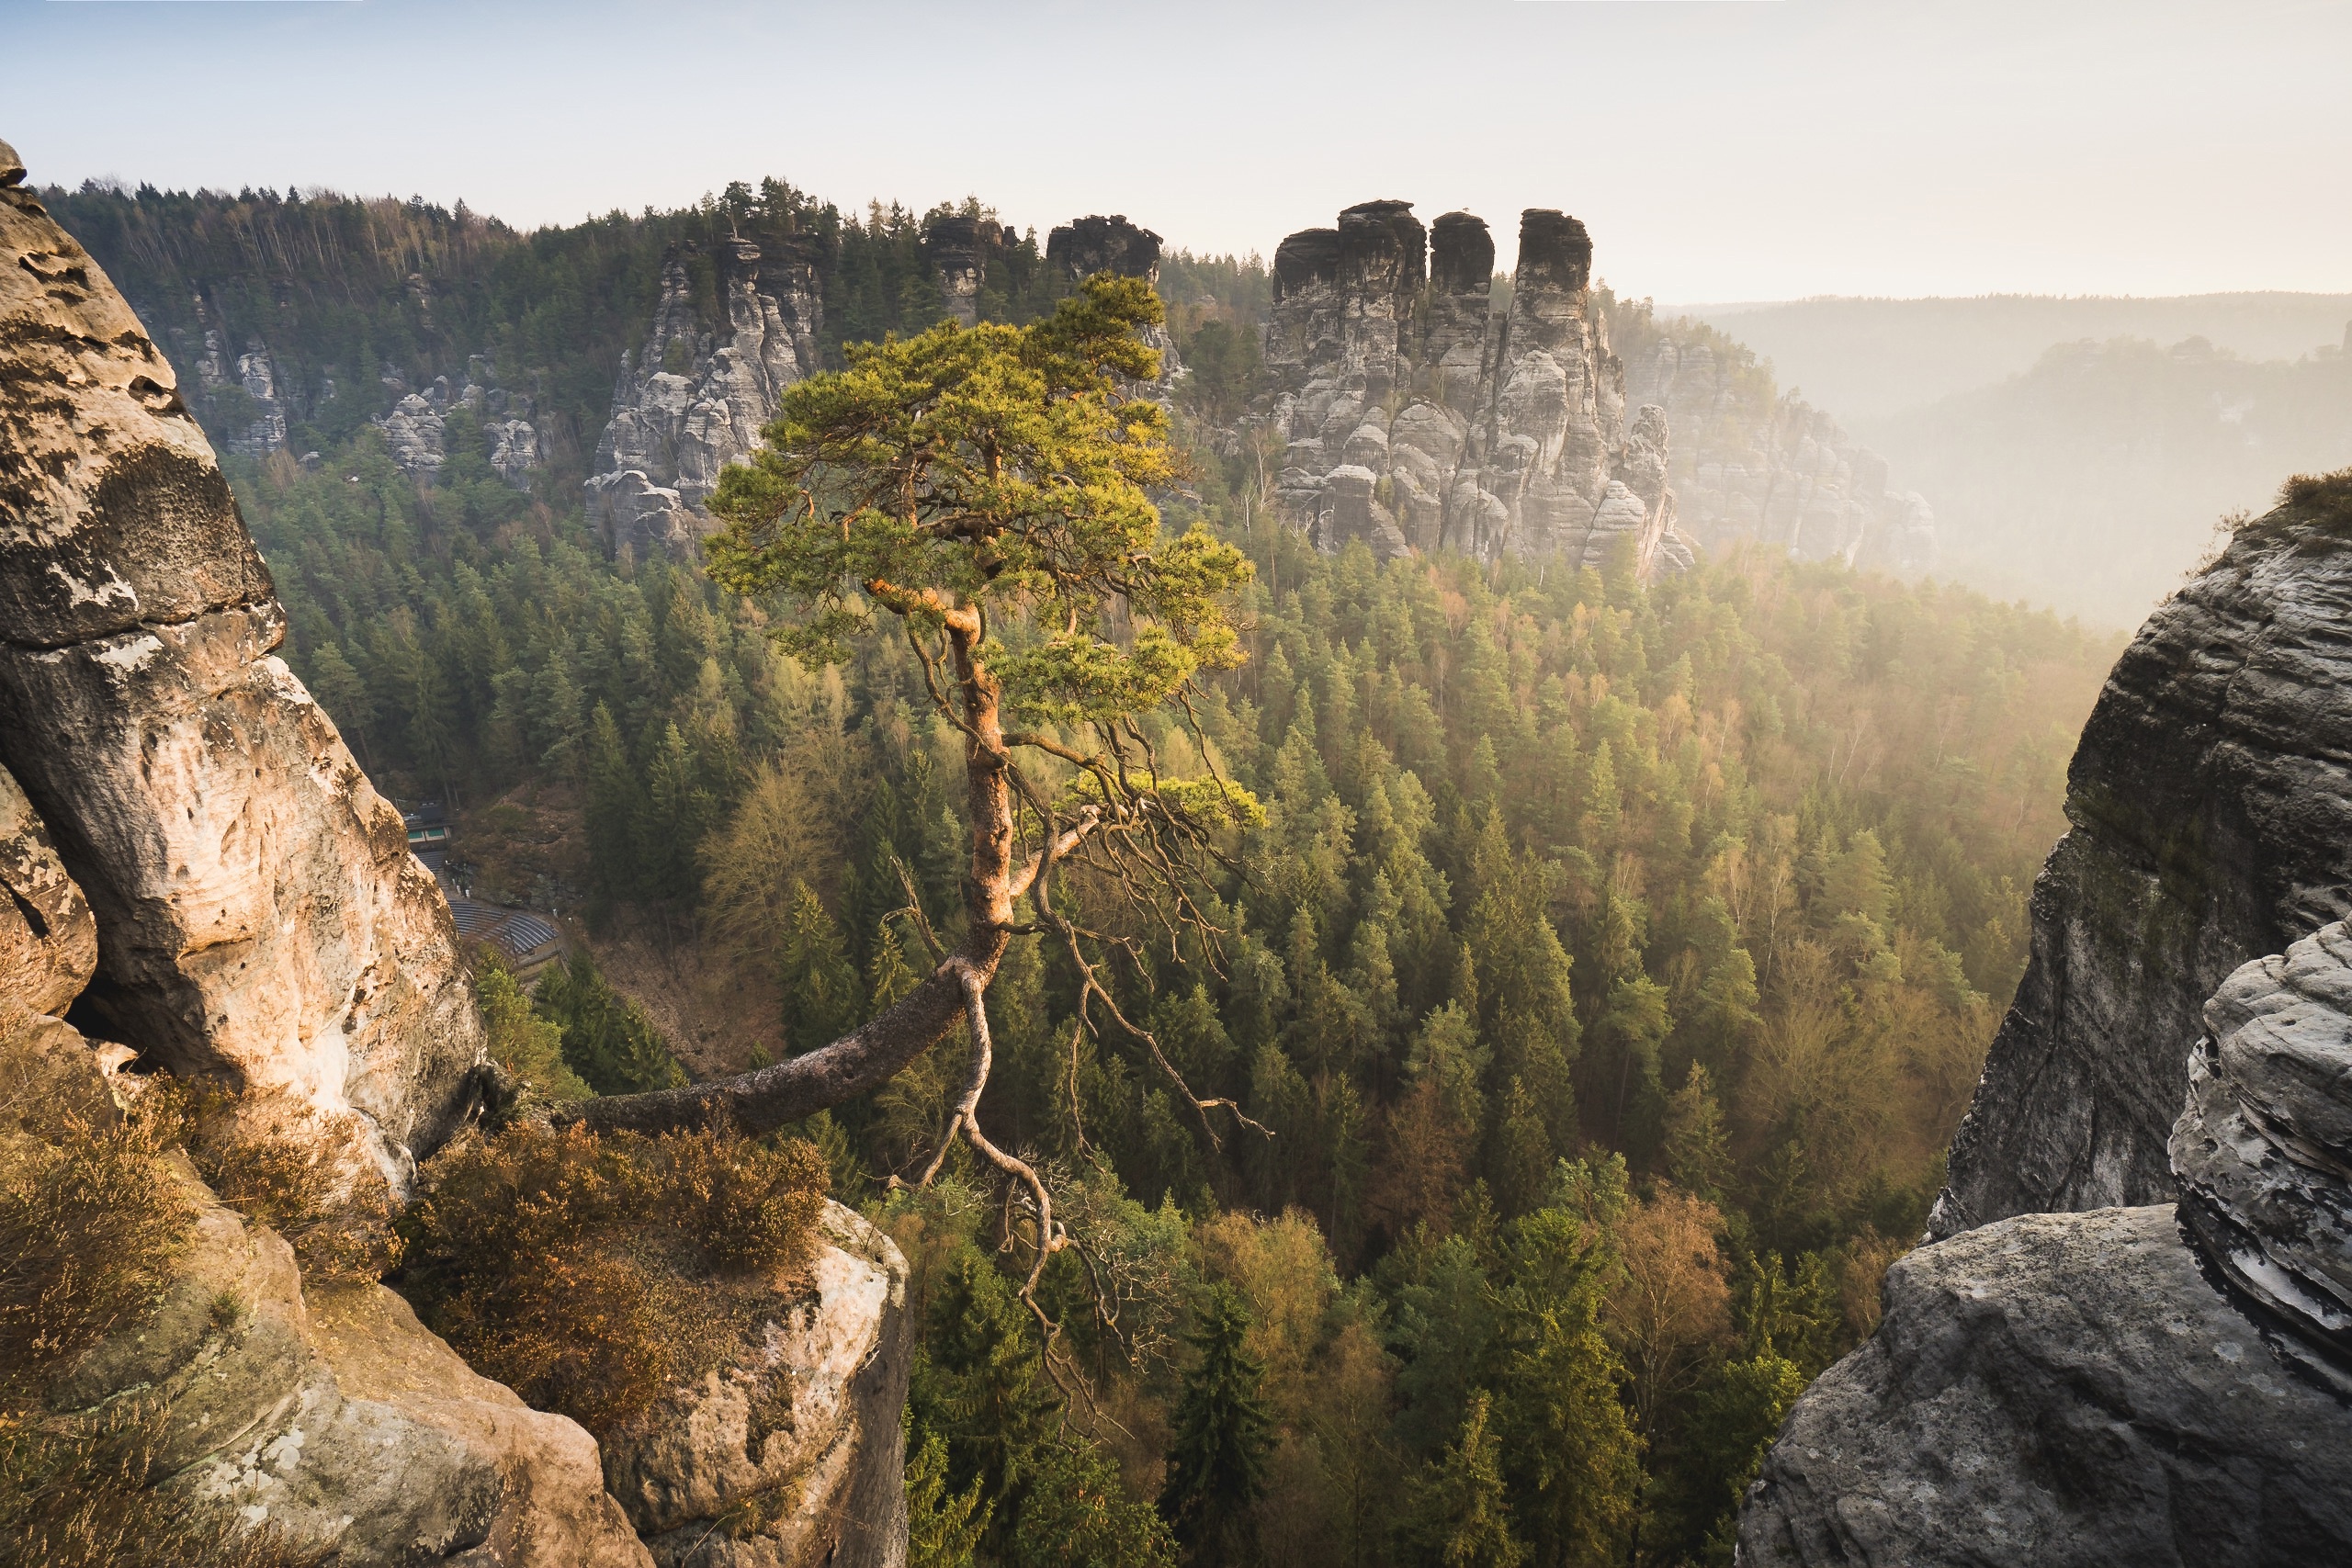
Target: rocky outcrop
(790, 1454)
(258, 914)
(2057, 1391)
(327, 1414)
(1084, 246)
(415, 430)
(2127, 1385)
(694, 398)
(1756, 465)
(1416, 417)
(2210, 804)
(261, 423)
(2264, 1151)
(2171, 1382)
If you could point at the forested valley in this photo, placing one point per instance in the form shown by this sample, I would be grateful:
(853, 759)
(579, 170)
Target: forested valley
(1604, 979)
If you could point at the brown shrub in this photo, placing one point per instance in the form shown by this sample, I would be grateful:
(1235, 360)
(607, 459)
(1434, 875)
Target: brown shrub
(84, 1498)
(278, 1163)
(90, 1221)
(588, 1274)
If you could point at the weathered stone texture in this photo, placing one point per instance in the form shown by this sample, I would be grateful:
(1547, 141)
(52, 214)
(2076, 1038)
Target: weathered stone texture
(2058, 1390)
(2211, 804)
(805, 1415)
(257, 912)
(1415, 417)
(692, 401)
(48, 943)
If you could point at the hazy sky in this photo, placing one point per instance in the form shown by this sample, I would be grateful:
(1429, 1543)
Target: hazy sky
(1718, 149)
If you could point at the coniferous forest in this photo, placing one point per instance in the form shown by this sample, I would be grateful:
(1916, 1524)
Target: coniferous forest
(1607, 974)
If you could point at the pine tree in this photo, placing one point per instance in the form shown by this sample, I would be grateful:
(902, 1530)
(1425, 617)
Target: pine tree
(1457, 1516)
(1216, 1455)
(821, 989)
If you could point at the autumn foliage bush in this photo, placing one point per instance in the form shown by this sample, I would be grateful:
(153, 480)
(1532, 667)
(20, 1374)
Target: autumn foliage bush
(589, 1273)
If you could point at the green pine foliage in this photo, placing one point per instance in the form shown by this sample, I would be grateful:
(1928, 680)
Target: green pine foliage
(1216, 1449)
(607, 1040)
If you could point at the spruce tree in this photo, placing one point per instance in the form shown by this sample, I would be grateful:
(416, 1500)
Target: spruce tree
(1216, 1457)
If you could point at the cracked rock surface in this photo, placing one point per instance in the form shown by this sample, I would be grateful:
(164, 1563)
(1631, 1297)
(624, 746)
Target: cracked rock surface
(258, 914)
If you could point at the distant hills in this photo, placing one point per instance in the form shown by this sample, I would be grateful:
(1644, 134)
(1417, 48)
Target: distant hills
(1872, 359)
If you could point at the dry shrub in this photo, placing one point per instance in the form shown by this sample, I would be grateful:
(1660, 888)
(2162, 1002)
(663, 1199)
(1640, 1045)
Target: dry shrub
(1860, 1273)
(278, 1163)
(84, 1498)
(588, 1274)
(90, 1221)
(2329, 494)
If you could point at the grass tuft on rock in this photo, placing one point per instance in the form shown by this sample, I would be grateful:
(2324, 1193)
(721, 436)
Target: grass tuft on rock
(91, 1219)
(590, 1274)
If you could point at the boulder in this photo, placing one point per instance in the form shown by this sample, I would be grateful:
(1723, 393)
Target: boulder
(2058, 1390)
(258, 914)
(2209, 803)
(789, 1454)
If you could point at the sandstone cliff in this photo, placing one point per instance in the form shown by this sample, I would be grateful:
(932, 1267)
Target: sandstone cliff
(192, 843)
(258, 914)
(692, 400)
(2211, 804)
(1416, 416)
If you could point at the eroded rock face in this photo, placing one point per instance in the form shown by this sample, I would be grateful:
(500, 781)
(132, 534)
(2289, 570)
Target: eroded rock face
(691, 402)
(2211, 804)
(258, 914)
(791, 1455)
(48, 943)
(2263, 1150)
(2057, 1391)
(1494, 433)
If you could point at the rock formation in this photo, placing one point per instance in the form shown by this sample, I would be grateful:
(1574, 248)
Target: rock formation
(48, 943)
(1772, 469)
(1416, 417)
(2211, 809)
(692, 399)
(1084, 246)
(192, 844)
(2108, 1387)
(326, 1413)
(2057, 1391)
(2170, 1382)
(806, 1408)
(258, 914)
(415, 430)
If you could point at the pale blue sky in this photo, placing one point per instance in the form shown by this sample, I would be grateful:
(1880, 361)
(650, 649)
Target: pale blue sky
(1717, 151)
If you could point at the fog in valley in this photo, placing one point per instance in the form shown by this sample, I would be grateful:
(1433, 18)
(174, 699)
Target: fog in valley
(2079, 453)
